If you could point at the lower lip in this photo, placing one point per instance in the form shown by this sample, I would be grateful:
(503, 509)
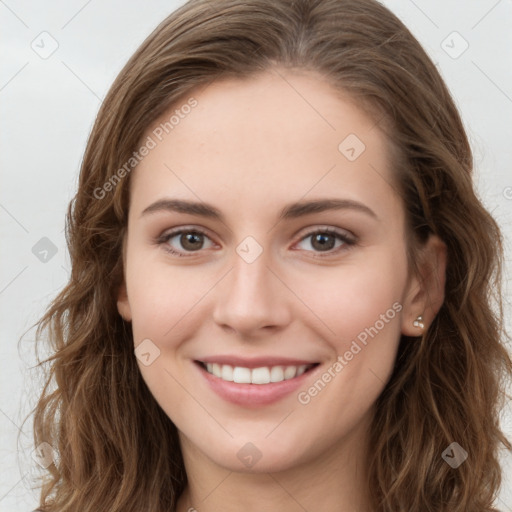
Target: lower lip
(253, 394)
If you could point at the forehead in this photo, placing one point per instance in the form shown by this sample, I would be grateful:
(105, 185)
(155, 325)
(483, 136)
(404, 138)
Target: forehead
(264, 141)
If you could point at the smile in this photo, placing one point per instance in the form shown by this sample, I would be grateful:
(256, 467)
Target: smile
(257, 385)
(262, 375)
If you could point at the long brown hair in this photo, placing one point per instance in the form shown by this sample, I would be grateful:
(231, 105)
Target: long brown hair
(118, 451)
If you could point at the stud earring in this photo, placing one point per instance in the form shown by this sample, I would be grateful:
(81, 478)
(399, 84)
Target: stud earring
(419, 322)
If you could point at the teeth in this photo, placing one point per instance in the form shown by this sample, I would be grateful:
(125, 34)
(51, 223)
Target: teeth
(217, 370)
(276, 374)
(263, 375)
(227, 373)
(301, 369)
(241, 375)
(290, 372)
(260, 375)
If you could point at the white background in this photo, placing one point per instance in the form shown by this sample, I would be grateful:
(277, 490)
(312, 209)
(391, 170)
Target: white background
(48, 106)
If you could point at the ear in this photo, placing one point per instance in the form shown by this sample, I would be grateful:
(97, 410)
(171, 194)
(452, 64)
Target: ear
(123, 304)
(424, 294)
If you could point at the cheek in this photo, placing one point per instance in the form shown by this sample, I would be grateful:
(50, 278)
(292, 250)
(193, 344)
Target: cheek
(361, 306)
(165, 302)
(162, 296)
(352, 298)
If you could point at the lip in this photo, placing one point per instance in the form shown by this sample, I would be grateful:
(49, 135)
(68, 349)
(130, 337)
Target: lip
(253, 395)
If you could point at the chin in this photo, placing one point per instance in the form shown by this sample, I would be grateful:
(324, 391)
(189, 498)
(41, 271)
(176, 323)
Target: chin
(259, 456)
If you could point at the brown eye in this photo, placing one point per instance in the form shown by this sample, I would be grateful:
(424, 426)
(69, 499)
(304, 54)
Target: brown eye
(191, 241)
(185, 241)
(323, 241)
(327, 241)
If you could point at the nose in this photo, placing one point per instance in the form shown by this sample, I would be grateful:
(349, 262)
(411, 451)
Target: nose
(252, 298)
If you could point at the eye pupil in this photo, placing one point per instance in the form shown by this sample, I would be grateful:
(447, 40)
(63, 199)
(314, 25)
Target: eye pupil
(323, 240)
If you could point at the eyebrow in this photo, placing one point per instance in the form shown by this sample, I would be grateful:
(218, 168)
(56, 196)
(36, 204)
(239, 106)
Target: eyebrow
(291, 211)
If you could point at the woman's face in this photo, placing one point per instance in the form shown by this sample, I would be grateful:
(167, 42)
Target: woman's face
(266, 242)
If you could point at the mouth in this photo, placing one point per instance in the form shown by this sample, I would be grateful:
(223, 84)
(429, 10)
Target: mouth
(261, 375)
(257, 385)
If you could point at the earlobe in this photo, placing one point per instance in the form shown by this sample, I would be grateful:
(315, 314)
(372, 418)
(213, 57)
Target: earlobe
(425, 294)
(123, 304)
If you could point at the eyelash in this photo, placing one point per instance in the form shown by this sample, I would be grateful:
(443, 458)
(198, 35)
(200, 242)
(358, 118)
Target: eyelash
(347, 241)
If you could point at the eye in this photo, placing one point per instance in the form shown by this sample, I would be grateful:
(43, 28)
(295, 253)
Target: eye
(327, 240)
(189, 240)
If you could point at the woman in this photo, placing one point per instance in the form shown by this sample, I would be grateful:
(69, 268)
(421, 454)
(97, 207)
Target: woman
(282, 281)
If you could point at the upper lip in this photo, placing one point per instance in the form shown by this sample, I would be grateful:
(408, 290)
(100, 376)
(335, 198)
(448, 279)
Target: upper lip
(255, 362)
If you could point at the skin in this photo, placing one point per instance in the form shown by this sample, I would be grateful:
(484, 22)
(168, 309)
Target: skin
(249, 148)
